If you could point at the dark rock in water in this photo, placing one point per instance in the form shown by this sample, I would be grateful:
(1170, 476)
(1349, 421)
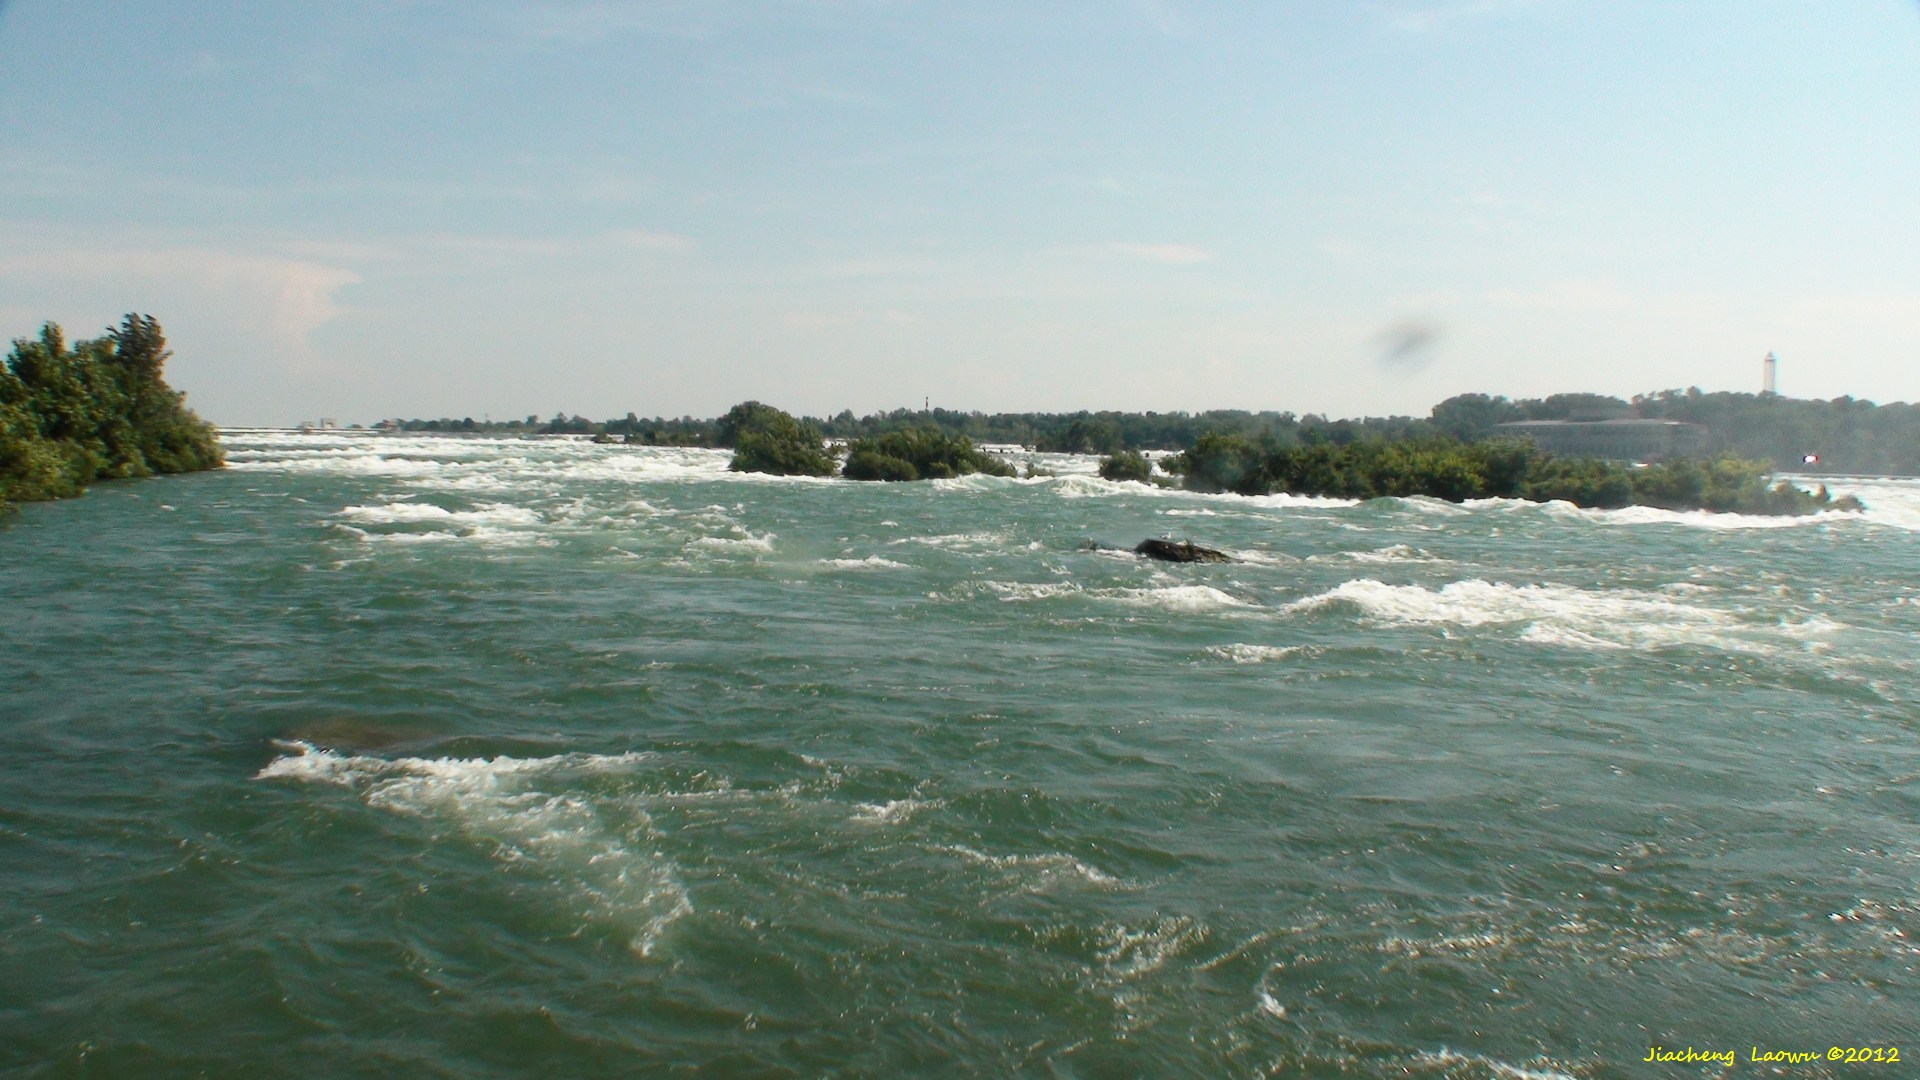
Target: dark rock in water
(1183, 551)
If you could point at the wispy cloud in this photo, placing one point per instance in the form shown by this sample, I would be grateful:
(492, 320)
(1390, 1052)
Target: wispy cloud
(1420, 19)
(293, 296)
(647, 240)
(1169, 254)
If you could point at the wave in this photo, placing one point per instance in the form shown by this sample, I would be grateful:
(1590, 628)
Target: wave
(1392, 553)
(1241, 653)
(746, 542)
(1035, 873)
(526, 813)
(891, 812)
(413, 513)
(1182, 598)
(1562, 615)
(871, 562)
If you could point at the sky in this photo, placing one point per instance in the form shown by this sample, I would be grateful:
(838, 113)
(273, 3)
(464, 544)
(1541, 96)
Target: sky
(393, 208)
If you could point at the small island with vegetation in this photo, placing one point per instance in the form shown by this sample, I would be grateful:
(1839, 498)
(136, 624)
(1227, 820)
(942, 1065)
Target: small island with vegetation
(1413, 463)
(768, 440)
(98, 410)
(1441, 467)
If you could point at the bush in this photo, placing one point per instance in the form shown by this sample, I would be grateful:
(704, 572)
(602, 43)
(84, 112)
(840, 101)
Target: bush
(1216, 462)
(98, 410)
(924, 453)
(1127, 465)
(867, 463)
(767, 440)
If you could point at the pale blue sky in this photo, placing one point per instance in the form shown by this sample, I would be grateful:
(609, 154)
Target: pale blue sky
(364, 209)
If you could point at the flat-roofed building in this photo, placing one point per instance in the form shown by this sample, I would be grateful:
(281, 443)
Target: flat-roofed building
(1618, 440)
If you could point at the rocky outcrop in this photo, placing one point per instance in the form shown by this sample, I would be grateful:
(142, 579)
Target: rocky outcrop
(1179, 551)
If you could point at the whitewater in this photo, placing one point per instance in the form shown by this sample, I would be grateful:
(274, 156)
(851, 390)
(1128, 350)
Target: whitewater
(396, 755)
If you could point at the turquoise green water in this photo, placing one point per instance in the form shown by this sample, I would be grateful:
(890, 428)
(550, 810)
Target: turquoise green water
(435, 757)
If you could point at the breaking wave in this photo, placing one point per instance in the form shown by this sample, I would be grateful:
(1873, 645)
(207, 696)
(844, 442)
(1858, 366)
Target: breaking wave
(1561, 615)
(523, 810)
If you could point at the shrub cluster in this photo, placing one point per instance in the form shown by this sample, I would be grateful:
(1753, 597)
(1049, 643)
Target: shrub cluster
(1127, 465)
(767, 440)
(98, 410)
(1443, 468)
(923, 453)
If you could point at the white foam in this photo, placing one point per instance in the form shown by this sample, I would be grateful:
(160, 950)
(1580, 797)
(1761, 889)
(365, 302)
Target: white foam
(1175, 597)
(1092, 487)
(1433, 507)
(1262, 558)
(1183, 598)
(1696, 519)
(1241, 653)
(1564, 616)
(888, 813)
(1039, 871)
(871, 562)
(565, 835)
(413, 513)
(746, 542)
(483, 535)
(1127, 952)
(1392, 553)
(959, 541)
(1029, 590)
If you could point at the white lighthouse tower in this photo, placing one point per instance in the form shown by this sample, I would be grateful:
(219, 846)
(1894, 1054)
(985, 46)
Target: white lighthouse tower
(1768, 383)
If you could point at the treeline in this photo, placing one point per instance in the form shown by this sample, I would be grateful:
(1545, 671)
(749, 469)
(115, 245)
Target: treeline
(1078, 432)
(768, 440)
(96, 410)
(1845, 434)
(1441, 467)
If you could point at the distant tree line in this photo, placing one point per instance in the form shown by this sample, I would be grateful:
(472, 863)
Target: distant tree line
(1847, 435)
(1442, 467)
(94, 411)
(768, 440)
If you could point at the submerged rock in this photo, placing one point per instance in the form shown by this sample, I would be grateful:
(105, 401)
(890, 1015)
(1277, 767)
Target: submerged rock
(1181, 551)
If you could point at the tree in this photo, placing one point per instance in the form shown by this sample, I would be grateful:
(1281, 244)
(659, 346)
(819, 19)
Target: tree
(768, 440)
(97, 410)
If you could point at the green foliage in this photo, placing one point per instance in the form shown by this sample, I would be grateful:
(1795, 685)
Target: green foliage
(767, 440)
(1083, 435)
(1217, 461)
(1443, 468)
(744, 417)
(867, 463)
(924, 453)
(1848, 435)
(97, 410)
(1127, 465)
(1726, 484)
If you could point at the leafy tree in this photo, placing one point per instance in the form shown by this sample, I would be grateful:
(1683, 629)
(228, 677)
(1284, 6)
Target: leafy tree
(98, 410)
(767, 440)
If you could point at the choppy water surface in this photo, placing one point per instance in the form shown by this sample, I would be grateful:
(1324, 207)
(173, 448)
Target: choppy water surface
(377, 756)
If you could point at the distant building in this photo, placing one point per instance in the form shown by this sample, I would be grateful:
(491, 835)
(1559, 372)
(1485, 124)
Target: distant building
(1619, 440)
